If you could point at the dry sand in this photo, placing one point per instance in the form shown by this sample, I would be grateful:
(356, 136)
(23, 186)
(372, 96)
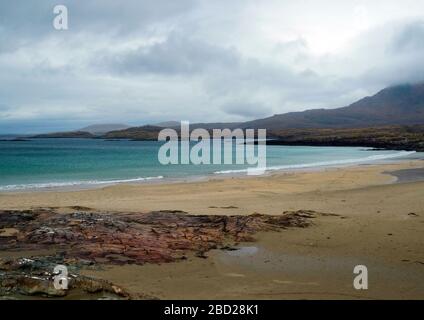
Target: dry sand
(380, 225)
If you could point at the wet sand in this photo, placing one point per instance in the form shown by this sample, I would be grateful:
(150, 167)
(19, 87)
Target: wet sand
(280, 267)
(242, 195)
(409, 175)
(380, 224)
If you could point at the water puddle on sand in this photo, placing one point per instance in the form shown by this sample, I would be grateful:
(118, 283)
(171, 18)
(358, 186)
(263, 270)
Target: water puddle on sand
(259, 259)
(294, 271)
(243, 251)
(271, 267)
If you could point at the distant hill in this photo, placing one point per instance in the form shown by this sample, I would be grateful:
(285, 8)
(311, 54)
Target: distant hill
(216, 125)
(393, 117)
(69, 134)
(167, 124)
(98, 129)
(205, 125)
(388, 137)
(398, 105)
(135, 133)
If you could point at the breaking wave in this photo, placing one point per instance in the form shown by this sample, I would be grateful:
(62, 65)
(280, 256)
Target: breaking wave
(13, 187)
(324, 163)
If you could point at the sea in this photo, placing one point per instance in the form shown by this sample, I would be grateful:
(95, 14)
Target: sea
(45, 164)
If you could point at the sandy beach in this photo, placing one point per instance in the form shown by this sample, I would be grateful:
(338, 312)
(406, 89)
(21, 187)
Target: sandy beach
(375, 219)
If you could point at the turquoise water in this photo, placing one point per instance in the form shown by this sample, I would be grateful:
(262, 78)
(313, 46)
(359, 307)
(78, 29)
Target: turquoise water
(46, 163)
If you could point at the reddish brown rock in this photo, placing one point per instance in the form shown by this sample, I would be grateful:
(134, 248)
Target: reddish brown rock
(154, 237)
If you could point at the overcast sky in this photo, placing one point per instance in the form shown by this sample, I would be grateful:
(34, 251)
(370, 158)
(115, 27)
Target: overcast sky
(232, 60)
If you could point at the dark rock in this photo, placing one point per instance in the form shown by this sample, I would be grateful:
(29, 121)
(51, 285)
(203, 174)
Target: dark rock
(35, 277)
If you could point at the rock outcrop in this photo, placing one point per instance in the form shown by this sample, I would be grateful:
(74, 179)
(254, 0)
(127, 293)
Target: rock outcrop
(117, 238)
(85, 238)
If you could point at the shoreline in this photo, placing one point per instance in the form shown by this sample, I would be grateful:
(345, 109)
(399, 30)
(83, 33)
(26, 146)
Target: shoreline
(366, 218)
(208, 177)
(177, 195)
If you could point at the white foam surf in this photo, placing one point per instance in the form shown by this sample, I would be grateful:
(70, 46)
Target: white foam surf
(47, 185)
(325, 163)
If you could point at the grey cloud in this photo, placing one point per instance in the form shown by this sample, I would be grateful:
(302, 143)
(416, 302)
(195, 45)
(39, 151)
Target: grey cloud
(396, 54)
(295, 51)
(24, 22)
(178, 54)
(409, 39)
(247, 110)
(158, 60)
(35, 17)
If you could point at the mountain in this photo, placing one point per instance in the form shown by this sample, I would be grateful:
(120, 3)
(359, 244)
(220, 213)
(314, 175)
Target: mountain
(86, 132)
(98, 129)
(167, 124)
(203, 125)
(216, 125)
(409, 138)
(135, 133)
(398, 105)
(391, 119)
(391, 115)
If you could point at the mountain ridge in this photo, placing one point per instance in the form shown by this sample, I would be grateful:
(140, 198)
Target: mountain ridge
(401, 105)
(97, 129)
(396, 105)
